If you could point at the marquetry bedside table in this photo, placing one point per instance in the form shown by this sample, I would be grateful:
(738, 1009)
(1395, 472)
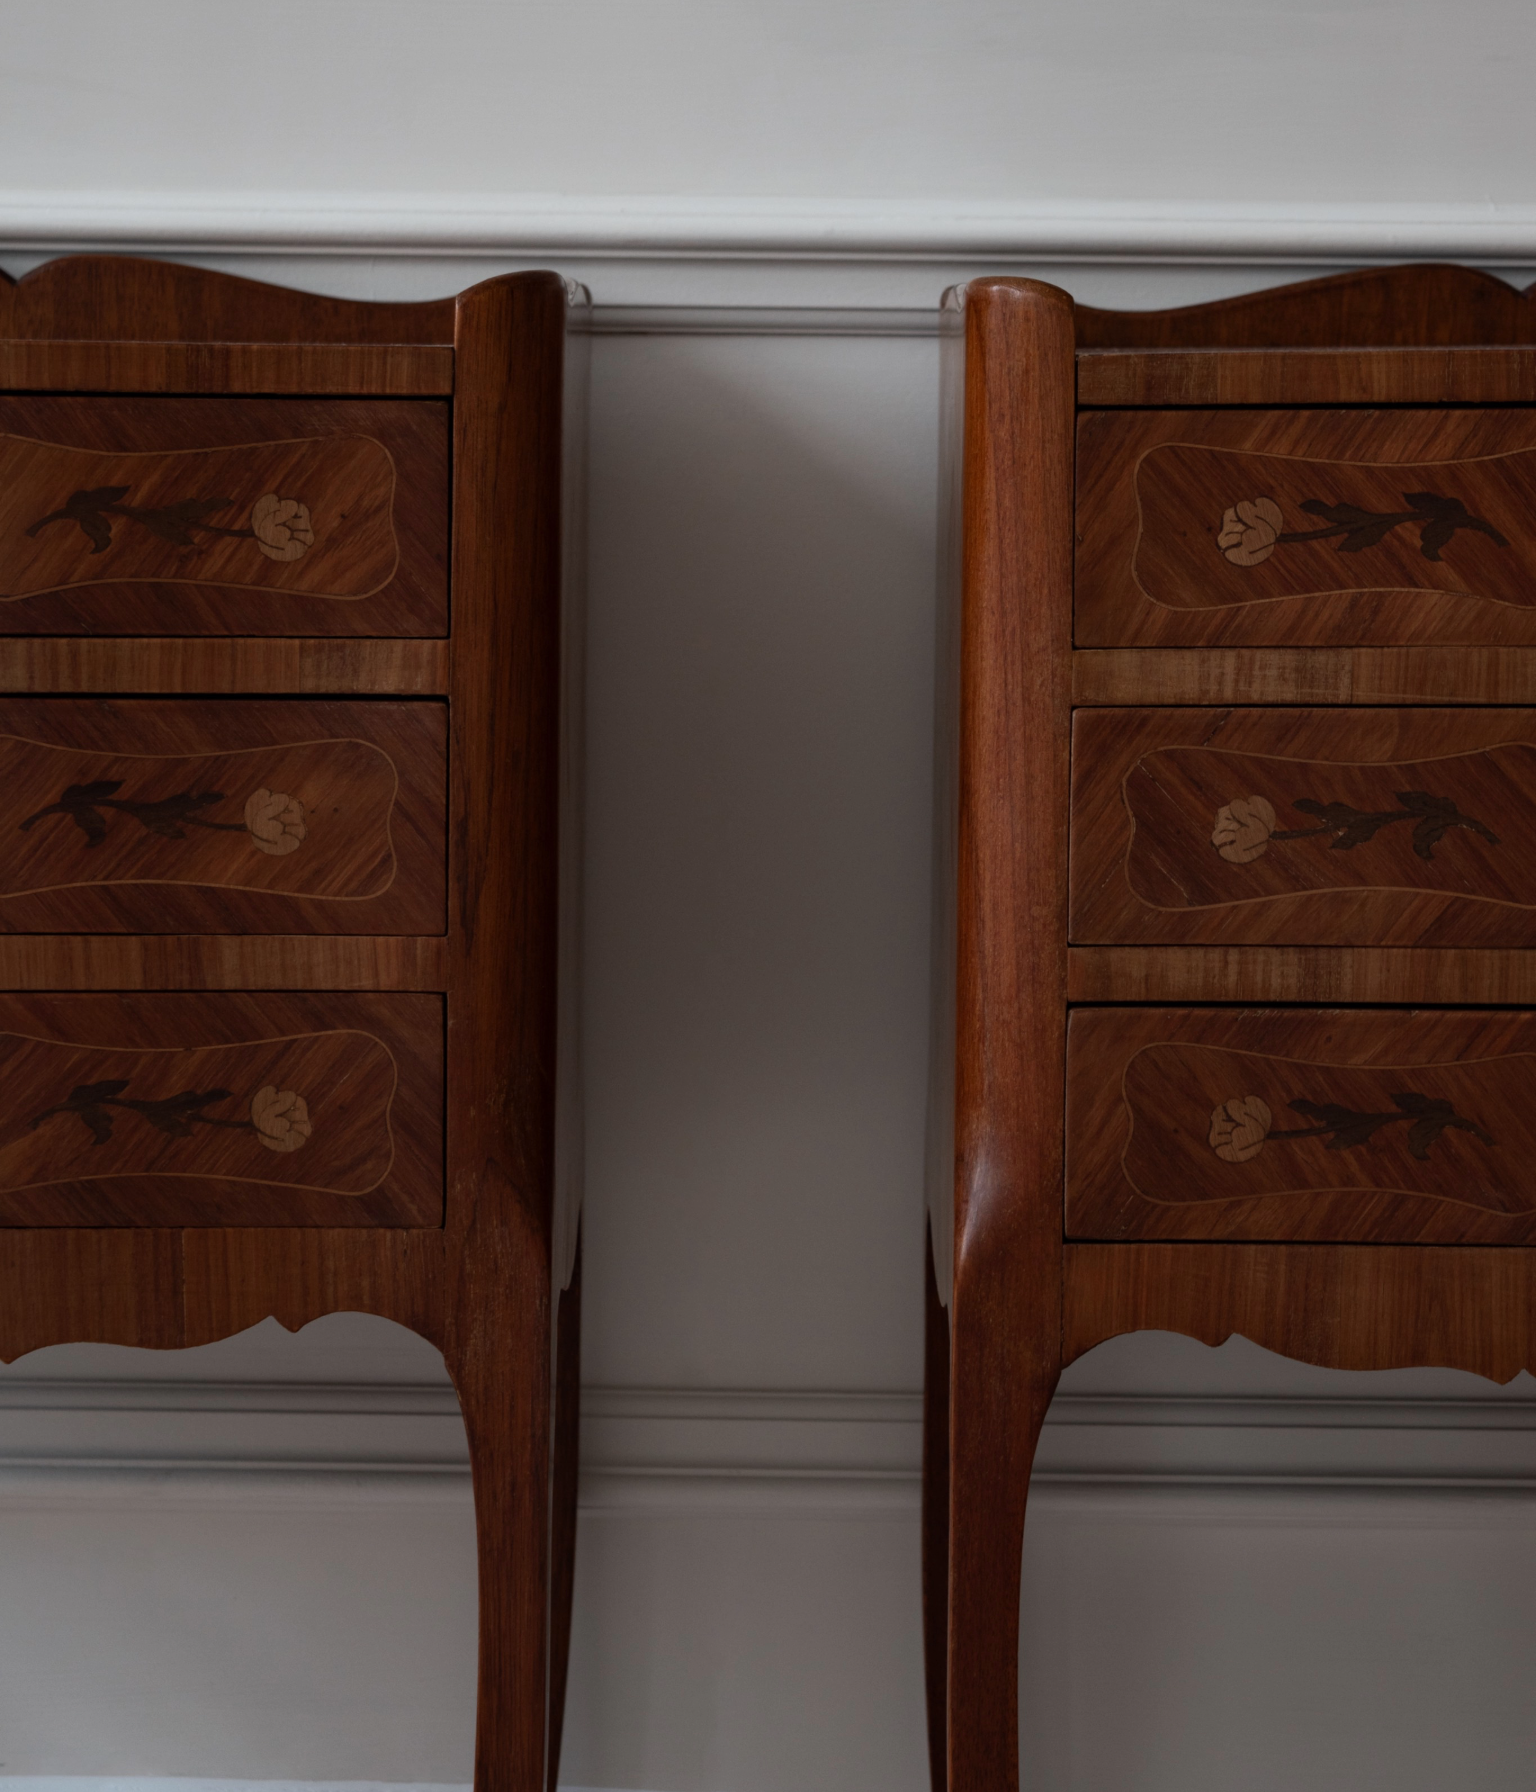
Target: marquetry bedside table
(285, 994)
(1236, 1005)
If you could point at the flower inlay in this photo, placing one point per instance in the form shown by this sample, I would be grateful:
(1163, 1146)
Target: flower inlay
(1241, 1128)
(1251, 529)
(280, 1119)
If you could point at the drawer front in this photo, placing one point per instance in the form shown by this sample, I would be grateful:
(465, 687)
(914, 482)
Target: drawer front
(221, 1110)
(223, 516)
(1306, 528)
(1372, 827)
(1383, 1125)
(222, 817)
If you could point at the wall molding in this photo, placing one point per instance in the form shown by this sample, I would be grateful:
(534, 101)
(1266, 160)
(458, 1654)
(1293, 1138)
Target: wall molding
(752, 227)
(668, 1450)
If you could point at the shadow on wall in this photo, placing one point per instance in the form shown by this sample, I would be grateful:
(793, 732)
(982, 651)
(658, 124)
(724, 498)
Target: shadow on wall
(761, 617)
(1243, 1571)
(255, 1559)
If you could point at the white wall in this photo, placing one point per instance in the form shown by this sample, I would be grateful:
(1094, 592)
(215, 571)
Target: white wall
(256, 1560)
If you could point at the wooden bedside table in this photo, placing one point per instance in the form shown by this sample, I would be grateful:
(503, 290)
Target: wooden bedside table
(281, 757)
(1236, 1008)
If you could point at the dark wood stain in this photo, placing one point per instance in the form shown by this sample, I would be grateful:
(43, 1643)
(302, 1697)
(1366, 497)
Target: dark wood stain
(1325, 1181)
(1375, 827)
(146, 515)
(454, 1241)
(150, 817)
(1160, 492)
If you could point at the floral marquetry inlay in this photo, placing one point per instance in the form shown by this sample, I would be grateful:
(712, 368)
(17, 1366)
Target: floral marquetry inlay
(1212, 828)
(312, 819)
(311, 1110)
(312, 517)
(1393, 1125)
(1305, 527)
(1275, 526)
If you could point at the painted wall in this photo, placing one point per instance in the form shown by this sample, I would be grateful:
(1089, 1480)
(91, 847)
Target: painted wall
(256, 1560)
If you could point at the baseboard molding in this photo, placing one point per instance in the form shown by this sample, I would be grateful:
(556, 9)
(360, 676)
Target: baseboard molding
(658, 1450)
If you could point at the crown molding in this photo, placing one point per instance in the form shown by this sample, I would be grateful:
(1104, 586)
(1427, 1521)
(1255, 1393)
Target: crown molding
(477, 224)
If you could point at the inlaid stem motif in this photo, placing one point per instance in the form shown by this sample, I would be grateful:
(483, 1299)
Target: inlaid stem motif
(1462, 1131)
(1251, 529)
(274, 820)
(280, 527)
(1210, 827)
(1218, 528)
(278, 1117)
(1245, 829)
(1240, 1129)
(310, 517)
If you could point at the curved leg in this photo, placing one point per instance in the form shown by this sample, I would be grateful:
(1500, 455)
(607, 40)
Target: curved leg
(500, 1363)
(936, 1526)
(1002, 1377)
(562, 1541)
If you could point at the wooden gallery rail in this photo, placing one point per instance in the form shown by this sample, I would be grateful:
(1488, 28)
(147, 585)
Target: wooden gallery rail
(280, 757)
(1237, 889)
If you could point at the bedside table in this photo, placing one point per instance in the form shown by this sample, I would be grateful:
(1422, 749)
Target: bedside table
(285, 995)
(1236, 1013)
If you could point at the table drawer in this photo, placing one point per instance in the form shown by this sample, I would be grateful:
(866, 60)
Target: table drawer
(1391, 1126)
(223, 516)
(222, 816)
(221, 1110)
(1372, 827)
(1306, 528)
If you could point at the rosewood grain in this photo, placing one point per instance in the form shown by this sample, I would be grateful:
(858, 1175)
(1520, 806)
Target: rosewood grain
(1327, 974)
(124, 298)
(455, 1242)
(223, 516)
(1427, 305)
(1403, 629)
(1305, 528)
(177, 1110)
(1340, 1306)
(1305, 675)
(347, 668)
(1271, 376)
(238, 817)
(1382, 1126)
(1327, 827)
(339, 369)
(1004, 1309)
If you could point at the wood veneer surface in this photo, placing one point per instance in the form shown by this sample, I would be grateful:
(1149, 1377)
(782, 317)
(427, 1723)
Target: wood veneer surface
(1228, 528)
(1326, 827)
(1369, 1125)
(1022, 1301)
(192, 516)
(222, 817)
(1419, 305)
(227, 1109)
(457, 1242)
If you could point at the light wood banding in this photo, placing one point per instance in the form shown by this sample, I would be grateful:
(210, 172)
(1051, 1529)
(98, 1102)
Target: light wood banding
(342, 370)
(1296, 377)
(1330, 974)
(406, 668)
(1177, 675)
